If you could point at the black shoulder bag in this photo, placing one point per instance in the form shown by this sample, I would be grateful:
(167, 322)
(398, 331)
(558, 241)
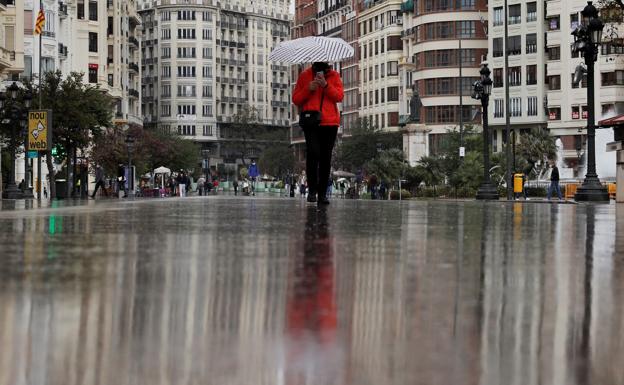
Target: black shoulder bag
(311, 118)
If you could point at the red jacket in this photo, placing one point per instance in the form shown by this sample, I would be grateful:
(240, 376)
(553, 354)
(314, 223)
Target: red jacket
(307, 100)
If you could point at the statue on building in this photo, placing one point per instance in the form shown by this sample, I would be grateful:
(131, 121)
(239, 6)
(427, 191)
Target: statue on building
(415, 105)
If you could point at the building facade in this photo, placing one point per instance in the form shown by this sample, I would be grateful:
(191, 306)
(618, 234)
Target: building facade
(445, 44)
(381, 48)
(11, 40)
(205, 62)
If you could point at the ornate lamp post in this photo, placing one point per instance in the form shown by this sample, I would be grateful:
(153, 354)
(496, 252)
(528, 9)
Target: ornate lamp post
(14, 114)
(482, 90)
(587, 38)
(130, 182)
(206, 155)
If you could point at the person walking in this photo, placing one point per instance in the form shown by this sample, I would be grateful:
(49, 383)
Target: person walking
(554, 182)
(253, 174)
(200, 185)
(99, 182)
(318, 91)
(235, 184)
(181, 179)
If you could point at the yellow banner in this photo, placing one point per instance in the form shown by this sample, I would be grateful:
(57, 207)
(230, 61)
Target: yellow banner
(38, 130)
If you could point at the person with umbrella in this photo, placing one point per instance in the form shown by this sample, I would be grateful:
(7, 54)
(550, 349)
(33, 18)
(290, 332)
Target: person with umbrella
(318, 91)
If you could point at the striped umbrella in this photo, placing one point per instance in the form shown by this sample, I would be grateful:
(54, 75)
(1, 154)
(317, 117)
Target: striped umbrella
(312, 49)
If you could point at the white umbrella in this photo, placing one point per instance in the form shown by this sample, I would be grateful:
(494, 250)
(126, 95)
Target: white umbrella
(162, 170)
(312, 49)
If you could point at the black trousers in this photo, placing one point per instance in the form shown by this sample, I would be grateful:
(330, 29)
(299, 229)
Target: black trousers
(319, 146)
(97, 186)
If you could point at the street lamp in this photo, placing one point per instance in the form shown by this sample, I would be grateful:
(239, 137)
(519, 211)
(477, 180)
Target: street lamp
(587, 38)
(27, 101)
(130, 182)
(206, 155)
(482, 89)
(13, 114)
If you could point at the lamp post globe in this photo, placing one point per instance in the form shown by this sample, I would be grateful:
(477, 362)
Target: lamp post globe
(587, 41)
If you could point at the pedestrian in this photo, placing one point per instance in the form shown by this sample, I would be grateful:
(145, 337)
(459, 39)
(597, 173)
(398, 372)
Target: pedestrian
(382, 190)
(181, 179)
(253, 174)
(554, 182)
(45, 192)
(316, 95)
(22, 185)
(330, 185)
(200, 185)
(99, 181)
(235, 184)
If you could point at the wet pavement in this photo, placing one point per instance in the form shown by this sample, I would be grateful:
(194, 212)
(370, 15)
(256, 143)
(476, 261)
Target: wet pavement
(225, 291)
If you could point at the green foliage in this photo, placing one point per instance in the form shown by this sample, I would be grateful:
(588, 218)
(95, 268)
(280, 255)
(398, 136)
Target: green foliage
(277, 160)
(243, 172)
(362, 146)
(394, 195)
(534, 149)
(387, 166)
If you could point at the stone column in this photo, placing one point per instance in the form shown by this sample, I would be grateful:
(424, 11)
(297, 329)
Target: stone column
(415, 143)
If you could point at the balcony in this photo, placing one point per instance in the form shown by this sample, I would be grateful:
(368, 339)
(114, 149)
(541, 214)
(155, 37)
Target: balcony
(134, 67)
(6, 58)
(133, 41)
(279, 85)
(134, 93)
(62, 9)
(339, 4)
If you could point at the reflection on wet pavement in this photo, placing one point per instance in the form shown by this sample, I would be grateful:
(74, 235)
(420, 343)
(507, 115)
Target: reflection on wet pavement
(271, 291)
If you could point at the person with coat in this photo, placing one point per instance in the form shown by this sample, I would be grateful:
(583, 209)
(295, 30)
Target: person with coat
(253, 174)
(554, 182)
(99, 181)
(319, 89)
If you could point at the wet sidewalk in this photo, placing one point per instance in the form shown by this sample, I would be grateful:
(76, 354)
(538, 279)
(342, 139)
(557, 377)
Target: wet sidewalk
(225, 290)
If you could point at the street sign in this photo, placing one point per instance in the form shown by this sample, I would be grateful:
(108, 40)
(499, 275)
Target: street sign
(462, 152)
(32, 154)
(39, 133)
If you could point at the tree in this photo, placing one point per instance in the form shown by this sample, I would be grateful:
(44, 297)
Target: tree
(79, 113)
(277, 160)
(364, 144)
(388, 166)
(535, 148)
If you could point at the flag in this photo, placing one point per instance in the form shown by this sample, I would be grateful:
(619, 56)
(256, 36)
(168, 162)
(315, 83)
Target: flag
(40, 22)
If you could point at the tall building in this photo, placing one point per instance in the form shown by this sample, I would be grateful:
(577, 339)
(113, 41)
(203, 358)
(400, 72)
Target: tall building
(11, 40)
(381, 48)
(350, 72)
(445, 44)
(527, 78)
(205, 60)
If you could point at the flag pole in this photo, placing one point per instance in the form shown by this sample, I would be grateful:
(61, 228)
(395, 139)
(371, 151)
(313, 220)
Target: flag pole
(39, 182)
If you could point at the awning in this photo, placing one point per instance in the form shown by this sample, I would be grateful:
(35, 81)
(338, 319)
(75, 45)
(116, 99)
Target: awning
(617, 120)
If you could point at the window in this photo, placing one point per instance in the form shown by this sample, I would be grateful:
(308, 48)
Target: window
(207, 90)
(498, 77)
(498, 16)
(207, 72)
(531, 12)
(383, 70)
(466, 29)
(515, 107)
(165, 16)
(443, 30)
(93, 74)
(515, 14)
(93, 11)
(207, 34)
(186, 109)
(80, 11)
(515, 76)
(393, 68)
(554, 82)
(166, 72)
(186, 52)
(165, 52)
(186, 130)
(532, 106)
(554, 113)
(186, 90)
(383, 45)
(207, 110)
(186, 33)
(531, 75)
(165, 110)
(93, 42)
(166, 34)
(395, 43)
(207, 129)
(207, 16)
(393, 94)
(613, 78)
(553, 23)
(531, 43)
(499, 108)
(207, 52)
(186, 71)
(515, 45)
(576, 112)
(554, 53)
(498, 47)
(165, 90)
(574, 21)
(186, 15)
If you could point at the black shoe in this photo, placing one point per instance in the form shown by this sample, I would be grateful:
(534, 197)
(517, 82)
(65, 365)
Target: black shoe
(311, 198)
(323, 201)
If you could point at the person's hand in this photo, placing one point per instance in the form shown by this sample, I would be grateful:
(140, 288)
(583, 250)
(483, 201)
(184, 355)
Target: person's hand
(321, 81)
(313, 85)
